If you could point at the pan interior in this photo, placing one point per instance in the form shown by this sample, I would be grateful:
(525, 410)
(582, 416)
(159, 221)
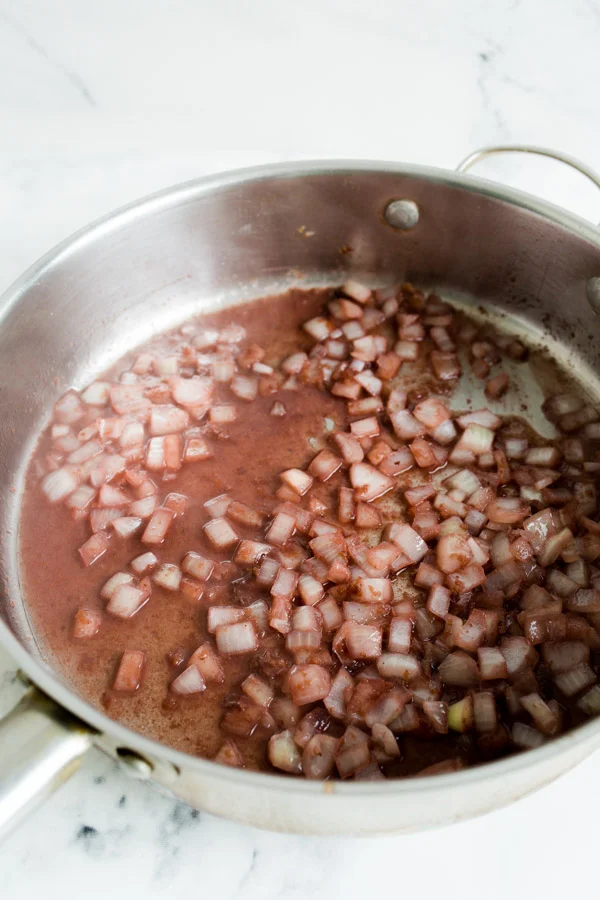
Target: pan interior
(519, 265)
(551, 365)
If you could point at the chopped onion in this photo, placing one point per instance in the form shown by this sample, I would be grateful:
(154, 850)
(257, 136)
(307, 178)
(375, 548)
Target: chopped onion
(403, 666)
(308, 684)
(362, 641)
(297, 480)
(459, 670)
(220, 533)
(87, 623)
(476, 438)
(59, 484)
(143, 563)
(492, 664)
(157, 527)
(129, 674)
(236, 638)
(189, 682)
(484, 711)
(94, 548)
(284, 753)
(126, 526)
(126, 600)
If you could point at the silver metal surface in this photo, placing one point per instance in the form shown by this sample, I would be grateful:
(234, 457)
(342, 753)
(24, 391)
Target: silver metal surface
(402, 214)
(593, 294)
(41, 745)
(479, 155)
(517, 261)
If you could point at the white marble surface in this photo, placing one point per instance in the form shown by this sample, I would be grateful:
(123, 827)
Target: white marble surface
(101, 103)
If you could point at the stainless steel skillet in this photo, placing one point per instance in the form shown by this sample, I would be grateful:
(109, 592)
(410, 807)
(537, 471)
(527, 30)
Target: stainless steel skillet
(217, 242)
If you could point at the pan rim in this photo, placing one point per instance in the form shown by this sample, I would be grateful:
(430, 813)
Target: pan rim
(187, 192)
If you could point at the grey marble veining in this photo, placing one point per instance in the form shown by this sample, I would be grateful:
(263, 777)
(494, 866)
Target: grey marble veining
(101, 103)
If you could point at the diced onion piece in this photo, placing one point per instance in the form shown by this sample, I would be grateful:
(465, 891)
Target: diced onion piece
(525, 736)
(69, 408)
(223, 615)
(297, 480)
(353, 752)
(285, 583)
(257, 690)
(484, 712)
(126, 600)
(374, 590)
(328, 546)
(324, 465)
(589, 703)
(126, 526)
(129, 674)
(167, 576)
(453, 553)
(436, 712)
(446, 366)
(144, 563)
(408, 541)
(575, 680)
(309, 683)
(59, 484)
(166, 419)
(400, 635)
(356, 290)
(492, 664)
(157, 527)
(476, 438)
(177, 502)
(237, 638)
(192, 392)
(543, 717)
(208, 664)
(340, 692)
(281, 530)
(197, 566)
(220, 533)
(94, 548)
(406, 426)
(113, 583)
(249, 553)
(349, 447)
(87, 623)
(318, 757)
(554, 546)
(460, 715)
(284, 753)
(403, 666)
(143, 508)
(369, 483)
(438, 601)
(280, 614)
(459, 670)
(507, 510)
(311, 590)
(189, 682)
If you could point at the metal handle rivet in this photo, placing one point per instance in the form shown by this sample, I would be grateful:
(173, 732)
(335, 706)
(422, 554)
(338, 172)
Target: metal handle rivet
(402, 214)
(593, 294)
(137, 765)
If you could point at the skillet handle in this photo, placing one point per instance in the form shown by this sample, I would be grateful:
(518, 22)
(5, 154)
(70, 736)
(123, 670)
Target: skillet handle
(41, 746)
(479, 155)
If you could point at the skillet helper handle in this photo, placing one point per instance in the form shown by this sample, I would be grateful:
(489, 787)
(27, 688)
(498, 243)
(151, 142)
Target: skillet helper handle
(41, 746)
(479, 155)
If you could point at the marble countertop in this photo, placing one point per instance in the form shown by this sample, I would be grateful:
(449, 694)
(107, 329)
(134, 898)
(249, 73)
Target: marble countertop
(102, 103)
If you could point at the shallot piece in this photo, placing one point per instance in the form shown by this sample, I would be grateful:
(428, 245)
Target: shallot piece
(130, 672)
